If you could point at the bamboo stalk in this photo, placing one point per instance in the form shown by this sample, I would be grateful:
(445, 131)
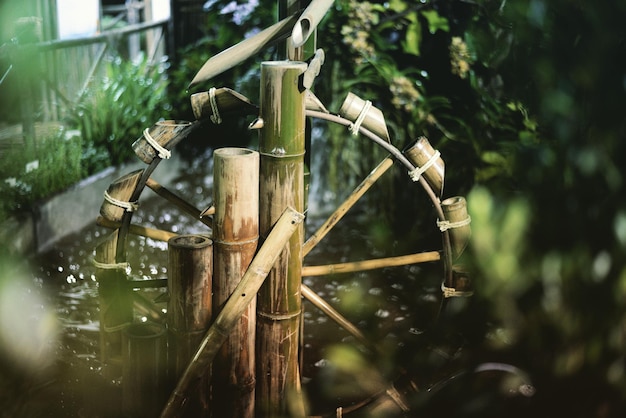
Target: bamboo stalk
(419, 154)
(245, 49)
(190, 267)
(143, 231)
(308, 271)
(308, 21)
(236, 305)
(455, 210)
(281, 145)
(333, 219)
(372, 118)
(236, 233)
(178, 202)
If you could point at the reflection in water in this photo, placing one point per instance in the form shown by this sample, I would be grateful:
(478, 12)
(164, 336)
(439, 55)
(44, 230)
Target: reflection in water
(49, 323)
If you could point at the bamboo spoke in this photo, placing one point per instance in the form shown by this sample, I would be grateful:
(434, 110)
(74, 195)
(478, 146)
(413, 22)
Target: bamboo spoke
(346, 205)
(156, 234)
(355, 266)
(179, 202)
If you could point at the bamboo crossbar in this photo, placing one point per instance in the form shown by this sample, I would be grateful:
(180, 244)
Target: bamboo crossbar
(403, 260)
(180, 203)
(241, 297)
(360, 190)
(142, 231)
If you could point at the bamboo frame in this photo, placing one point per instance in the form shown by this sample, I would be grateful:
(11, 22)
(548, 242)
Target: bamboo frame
(288, 223)
(179, 202)
(403, 260)
(143, 231)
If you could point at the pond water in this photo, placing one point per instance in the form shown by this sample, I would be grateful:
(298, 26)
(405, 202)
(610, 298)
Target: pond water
(50, 363)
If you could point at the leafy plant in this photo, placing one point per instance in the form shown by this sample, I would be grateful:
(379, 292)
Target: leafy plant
(115, 109)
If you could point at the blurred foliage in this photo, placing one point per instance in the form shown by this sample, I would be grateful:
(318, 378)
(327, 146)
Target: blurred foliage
(40, 170)
(111, 115)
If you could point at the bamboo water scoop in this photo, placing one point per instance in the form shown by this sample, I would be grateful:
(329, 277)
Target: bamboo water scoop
(241, 297)
(157, 140)
(117, 196)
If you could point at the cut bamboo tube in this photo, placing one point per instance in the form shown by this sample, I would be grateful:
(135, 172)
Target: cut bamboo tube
(178, 202)
(245, 49)
(142, 231)
(332, 220)
(457, 222)
(116, 305)
(281, 145)
(226, 100)
(308, 21)
(117, 196)
(354, 108)
(420, 154)
(236, 233)
(190, 267)
(308, 271)
(165, 134)
(237, 303)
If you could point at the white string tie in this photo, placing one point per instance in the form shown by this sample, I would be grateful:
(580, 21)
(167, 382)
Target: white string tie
(416, 173)
(128, 206)
(215, 117)
(354, 127)
(112, 266)
(445, 225)
(451, 292)
(163, 152)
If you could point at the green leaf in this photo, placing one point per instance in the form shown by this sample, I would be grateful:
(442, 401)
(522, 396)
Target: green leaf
(435, 22)
(411, 44)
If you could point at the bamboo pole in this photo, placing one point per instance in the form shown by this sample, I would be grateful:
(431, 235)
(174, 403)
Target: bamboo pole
(308, 21)
(241, 297)
(403, 260)
(143, 231)
(281, 145)
(333, 219)
(420, 153)
(226, 101)
(116, 306)
(190, 267)
(117, 196)
(458, 222)
(235, 235)
(178, 202)
(164, 134)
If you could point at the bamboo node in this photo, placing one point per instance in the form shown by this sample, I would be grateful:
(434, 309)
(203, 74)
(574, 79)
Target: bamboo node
(128, 206)
(445, 225)
(215, 113)
(418, 171)
(278, 317)
(451, 292)
(163, 153)
(354, 127)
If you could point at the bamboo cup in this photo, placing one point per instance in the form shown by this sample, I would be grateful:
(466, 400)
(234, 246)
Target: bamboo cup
(373, 119)
(117, 195)
(166, 134)
(455, 211)
(419, 154)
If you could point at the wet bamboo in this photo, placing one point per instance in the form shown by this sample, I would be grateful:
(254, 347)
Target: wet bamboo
(237, 303)
(115, 305)
(403, 260)
(235, 236)
(117, 198)
(190, 268)
(279, 304)
(332, 220)
(177, 201)
(143, 231)
(166, 134)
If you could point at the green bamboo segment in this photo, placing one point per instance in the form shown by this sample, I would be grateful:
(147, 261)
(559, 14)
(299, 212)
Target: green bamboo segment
(143, 231)
(308, 271)
(236, 233)
(157, 140)
(179, 202)
(116, 197)
(116, 305)
(457, 222)
(225, 100)
(279, 304)
(333, 219)
(237, 303)
(422, 153)
(356, 109)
